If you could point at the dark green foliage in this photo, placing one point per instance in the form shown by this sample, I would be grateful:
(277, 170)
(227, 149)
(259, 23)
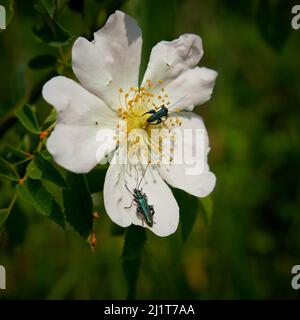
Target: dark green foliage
(7, 170)
(35, 193)
(76, 5)
(41, 168)
(28, 118)
(274, 21)
(135, 239)
(54, 35)
(78, 204)
(96, 178)
(189, 208)
(42, 62)
(50, 6)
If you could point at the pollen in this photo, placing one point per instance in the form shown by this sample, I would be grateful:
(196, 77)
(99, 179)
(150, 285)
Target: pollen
(134, 106)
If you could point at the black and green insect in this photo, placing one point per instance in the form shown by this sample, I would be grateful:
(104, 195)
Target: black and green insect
(160, 115)
(144, 210)
(157, 115)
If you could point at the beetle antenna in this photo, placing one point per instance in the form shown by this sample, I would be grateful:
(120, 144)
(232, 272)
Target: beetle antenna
(142, 176)
(174, 104)
(128, 189)
(137, 177)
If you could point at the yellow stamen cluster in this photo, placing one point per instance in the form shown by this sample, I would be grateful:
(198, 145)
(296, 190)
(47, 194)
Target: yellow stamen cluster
(133, 107)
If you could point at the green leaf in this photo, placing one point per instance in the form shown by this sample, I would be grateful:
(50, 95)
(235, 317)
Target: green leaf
(13, 154)
(28, 118)
(78, 204)
(131, 270)
(96, 178)
(50, 6)
(4, 213)
(116, 230)
(51, 118)
(273, 20)
(208, 208)
(7, 170)
(135, 239)
(34, 192)
(9, 9)
(41, 168)
(189, 208)
(42, 62)
(151, 25)
(53, 35)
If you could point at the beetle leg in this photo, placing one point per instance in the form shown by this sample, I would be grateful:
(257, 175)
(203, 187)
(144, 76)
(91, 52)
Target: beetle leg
(156, 123)
(151, 210)
(166, 118)
(130, 204)
(140, 217)
(152, 111)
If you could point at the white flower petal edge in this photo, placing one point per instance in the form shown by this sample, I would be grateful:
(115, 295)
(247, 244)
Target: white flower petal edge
(201, 184)
(112, 60)
(173, 64)
(191, 88)
(170, 58)
(81, 116)
(117, 197)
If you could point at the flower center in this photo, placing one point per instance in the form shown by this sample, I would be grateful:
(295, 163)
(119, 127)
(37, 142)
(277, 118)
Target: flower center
(134, 111)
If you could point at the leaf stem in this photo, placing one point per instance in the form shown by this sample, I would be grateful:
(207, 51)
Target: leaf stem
(12, 202)
(8, 120)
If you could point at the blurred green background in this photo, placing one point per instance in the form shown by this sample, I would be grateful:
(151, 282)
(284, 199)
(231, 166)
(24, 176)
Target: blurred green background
(244, 239)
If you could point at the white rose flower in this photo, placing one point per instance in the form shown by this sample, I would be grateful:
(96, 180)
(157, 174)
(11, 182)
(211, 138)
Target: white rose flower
(88, 128)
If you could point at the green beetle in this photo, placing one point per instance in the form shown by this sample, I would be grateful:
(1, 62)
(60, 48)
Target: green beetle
(144, 210)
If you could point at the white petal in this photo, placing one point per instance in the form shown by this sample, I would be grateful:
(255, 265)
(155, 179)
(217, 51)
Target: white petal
(169, 59)
(111, 60)
(190, 173)
(191, 88)
(76, 147)
(76, 105)
(81, 119)
(117, 197)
